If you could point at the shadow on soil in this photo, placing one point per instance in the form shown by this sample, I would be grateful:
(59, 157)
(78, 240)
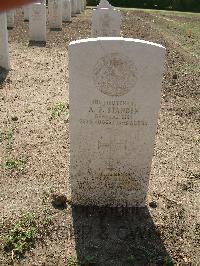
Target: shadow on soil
(38, 44)
(55, 29)
(67, 22)
(117, 236)
(3, 75)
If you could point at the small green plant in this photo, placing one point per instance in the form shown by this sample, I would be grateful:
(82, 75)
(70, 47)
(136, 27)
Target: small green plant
(168, 261)
(6, 135)
(23, 236)
(131, 260)
(22, 162)
(89, 260)
(60, 110)
(11, 164)
(49, 219)
(72, 261)
(24, 43)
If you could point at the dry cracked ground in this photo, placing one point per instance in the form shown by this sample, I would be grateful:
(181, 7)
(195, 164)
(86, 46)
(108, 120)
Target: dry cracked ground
(39, 226)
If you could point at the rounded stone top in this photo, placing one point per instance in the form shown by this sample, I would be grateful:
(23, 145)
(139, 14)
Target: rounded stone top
(104, 4)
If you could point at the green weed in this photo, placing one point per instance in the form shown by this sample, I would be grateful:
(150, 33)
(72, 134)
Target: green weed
(11, 164)
(132, 260)
(184, 34)
(23, 236)
(171, 13)
(26, 232)
(6, 135)
(24, 44)
(89, 260)
(168, 261)
(60, 110)
(72, 261)
(190, 69)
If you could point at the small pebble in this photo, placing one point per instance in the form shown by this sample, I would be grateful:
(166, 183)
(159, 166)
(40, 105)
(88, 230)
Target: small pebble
(14, 118)
(153, 204)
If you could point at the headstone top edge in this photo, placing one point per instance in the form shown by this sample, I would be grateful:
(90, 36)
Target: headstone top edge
(104, 3)
(99, 39)
(3, 13)
(37, 3)
(107, 8)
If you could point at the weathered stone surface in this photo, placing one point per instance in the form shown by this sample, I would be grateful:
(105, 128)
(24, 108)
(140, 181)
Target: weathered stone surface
(26, 12)
(66, 10)
(37, 22)
(55, 14)
(11, 18)
(115, 87)
(74, 7)
(78, 8)
(85, 3)
(82, 5)
(4, 54)
(104, 4)
(106, 21)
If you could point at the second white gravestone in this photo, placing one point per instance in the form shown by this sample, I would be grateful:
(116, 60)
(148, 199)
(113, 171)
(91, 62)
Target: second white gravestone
(26, 12)
(55, 14)
(66, 10)
(4, 53)
(106, 21)
(73, 7)
(115, 91)
(10, 19)
(37, 22)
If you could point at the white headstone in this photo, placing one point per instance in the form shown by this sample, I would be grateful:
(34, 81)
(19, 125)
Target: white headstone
(66, 10)
(82, 5)
(55, 14)
(115, 91)
(10, 19)
(106, 21)
(104, 4)
(4, 53)
(78, 7)
(73, 7)
(37, 22)
(26, 12)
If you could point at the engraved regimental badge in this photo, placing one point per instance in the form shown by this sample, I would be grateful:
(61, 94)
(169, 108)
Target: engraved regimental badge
(114, 74)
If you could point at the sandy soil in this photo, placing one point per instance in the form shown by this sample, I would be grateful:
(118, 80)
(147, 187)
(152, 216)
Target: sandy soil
(35, 158)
